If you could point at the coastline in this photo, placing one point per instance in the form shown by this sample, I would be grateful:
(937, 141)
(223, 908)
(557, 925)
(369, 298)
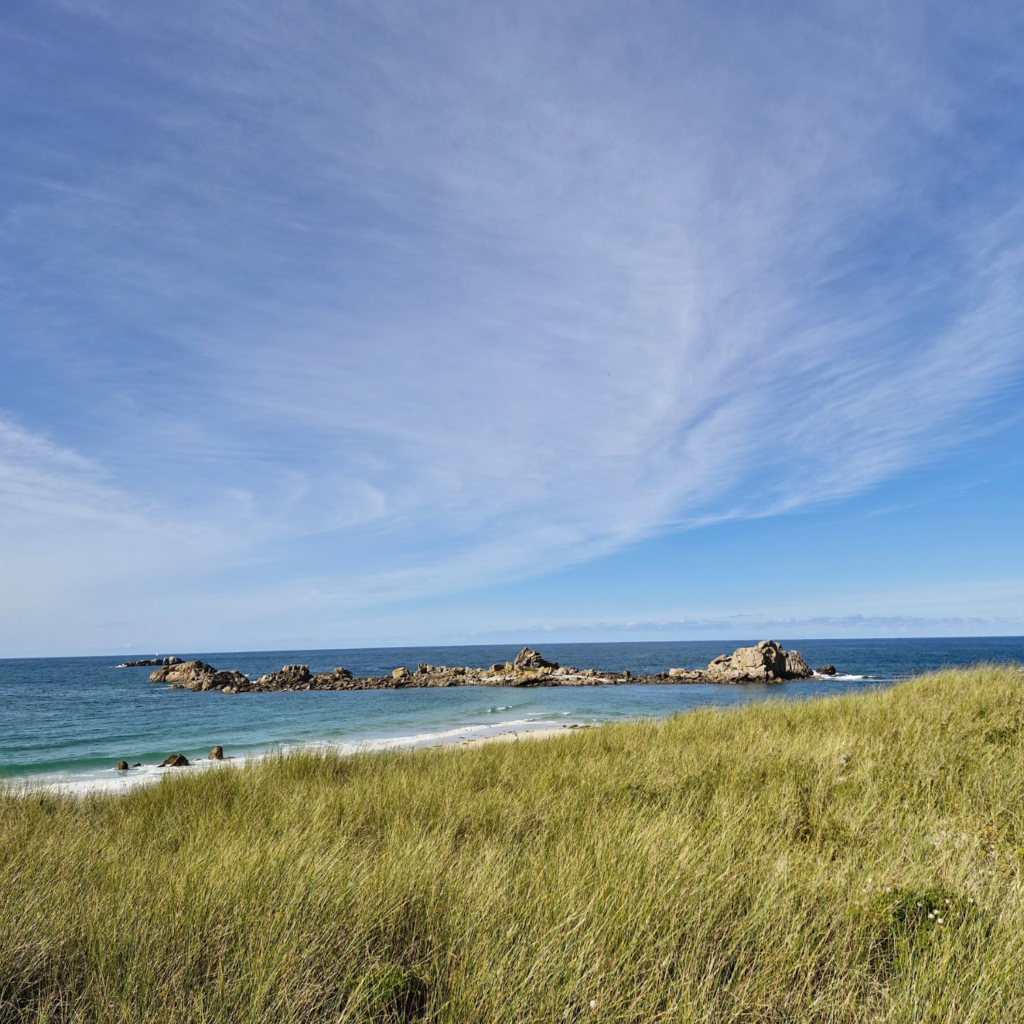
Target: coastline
(68, 721)
(117, 783)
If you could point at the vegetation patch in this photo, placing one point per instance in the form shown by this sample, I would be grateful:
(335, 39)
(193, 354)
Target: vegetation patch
(844, 860)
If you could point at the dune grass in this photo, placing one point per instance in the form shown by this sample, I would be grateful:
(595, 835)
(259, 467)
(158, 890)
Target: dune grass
(781, 862)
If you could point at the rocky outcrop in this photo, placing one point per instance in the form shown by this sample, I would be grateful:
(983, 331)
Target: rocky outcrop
(827, 670)
(226, 682)
(122, 766)
(197, 675)
(172, 660)
(528, 660)
(217, 754)
(175, 761)
(186, 672)
(291, 677)
(331, 680)
(768, 662)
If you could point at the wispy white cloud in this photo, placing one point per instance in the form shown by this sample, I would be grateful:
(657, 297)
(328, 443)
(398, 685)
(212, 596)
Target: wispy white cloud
(407, 299)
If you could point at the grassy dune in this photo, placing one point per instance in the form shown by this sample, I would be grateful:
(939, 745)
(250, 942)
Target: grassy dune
(762, 864)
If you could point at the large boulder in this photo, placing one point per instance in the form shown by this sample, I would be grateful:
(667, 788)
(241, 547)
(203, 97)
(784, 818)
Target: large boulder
(175, 761)
(187, 672)
(767, 662)
(528, 660)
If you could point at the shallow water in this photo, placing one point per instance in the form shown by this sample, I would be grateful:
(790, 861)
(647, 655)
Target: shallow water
(69, 720)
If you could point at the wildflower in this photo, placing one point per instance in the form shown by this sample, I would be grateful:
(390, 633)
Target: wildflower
(593, 1004)
(930, 916)
(947, 903)
(939, 919)
(919, 903)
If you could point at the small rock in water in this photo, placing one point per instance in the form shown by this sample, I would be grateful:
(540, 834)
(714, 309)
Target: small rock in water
(217, 754)
(175, 761)
(122, 766)
(138, 764)
(827, 670)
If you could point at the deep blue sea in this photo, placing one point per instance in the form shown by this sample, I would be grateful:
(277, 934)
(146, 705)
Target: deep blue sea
(69, 720)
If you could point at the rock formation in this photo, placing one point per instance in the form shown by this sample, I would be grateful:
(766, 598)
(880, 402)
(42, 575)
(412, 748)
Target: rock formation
(767, 662)
(186, 672)
(217, 754)
(175, 761)
(291, 677)
(331, 680)
(226, 682)
(122, 766)
(528, 660)
(827, 670)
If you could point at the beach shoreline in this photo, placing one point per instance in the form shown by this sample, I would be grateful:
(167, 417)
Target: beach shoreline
(87, 785)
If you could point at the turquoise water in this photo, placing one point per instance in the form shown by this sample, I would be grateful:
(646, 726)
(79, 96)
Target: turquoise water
(71, 719)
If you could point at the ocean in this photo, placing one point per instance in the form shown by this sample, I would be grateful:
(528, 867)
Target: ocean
(66, 721)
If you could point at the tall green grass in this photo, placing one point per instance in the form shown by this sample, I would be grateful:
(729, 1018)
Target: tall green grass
(763, 864)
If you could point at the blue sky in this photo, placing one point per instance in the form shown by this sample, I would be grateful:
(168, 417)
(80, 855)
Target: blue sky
(353, 324)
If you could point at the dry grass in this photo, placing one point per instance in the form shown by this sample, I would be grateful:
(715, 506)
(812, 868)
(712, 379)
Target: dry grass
(720, 866)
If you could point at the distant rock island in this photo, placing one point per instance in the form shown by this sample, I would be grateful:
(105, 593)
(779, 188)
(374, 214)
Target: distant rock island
(765, 663)
(172, 660)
